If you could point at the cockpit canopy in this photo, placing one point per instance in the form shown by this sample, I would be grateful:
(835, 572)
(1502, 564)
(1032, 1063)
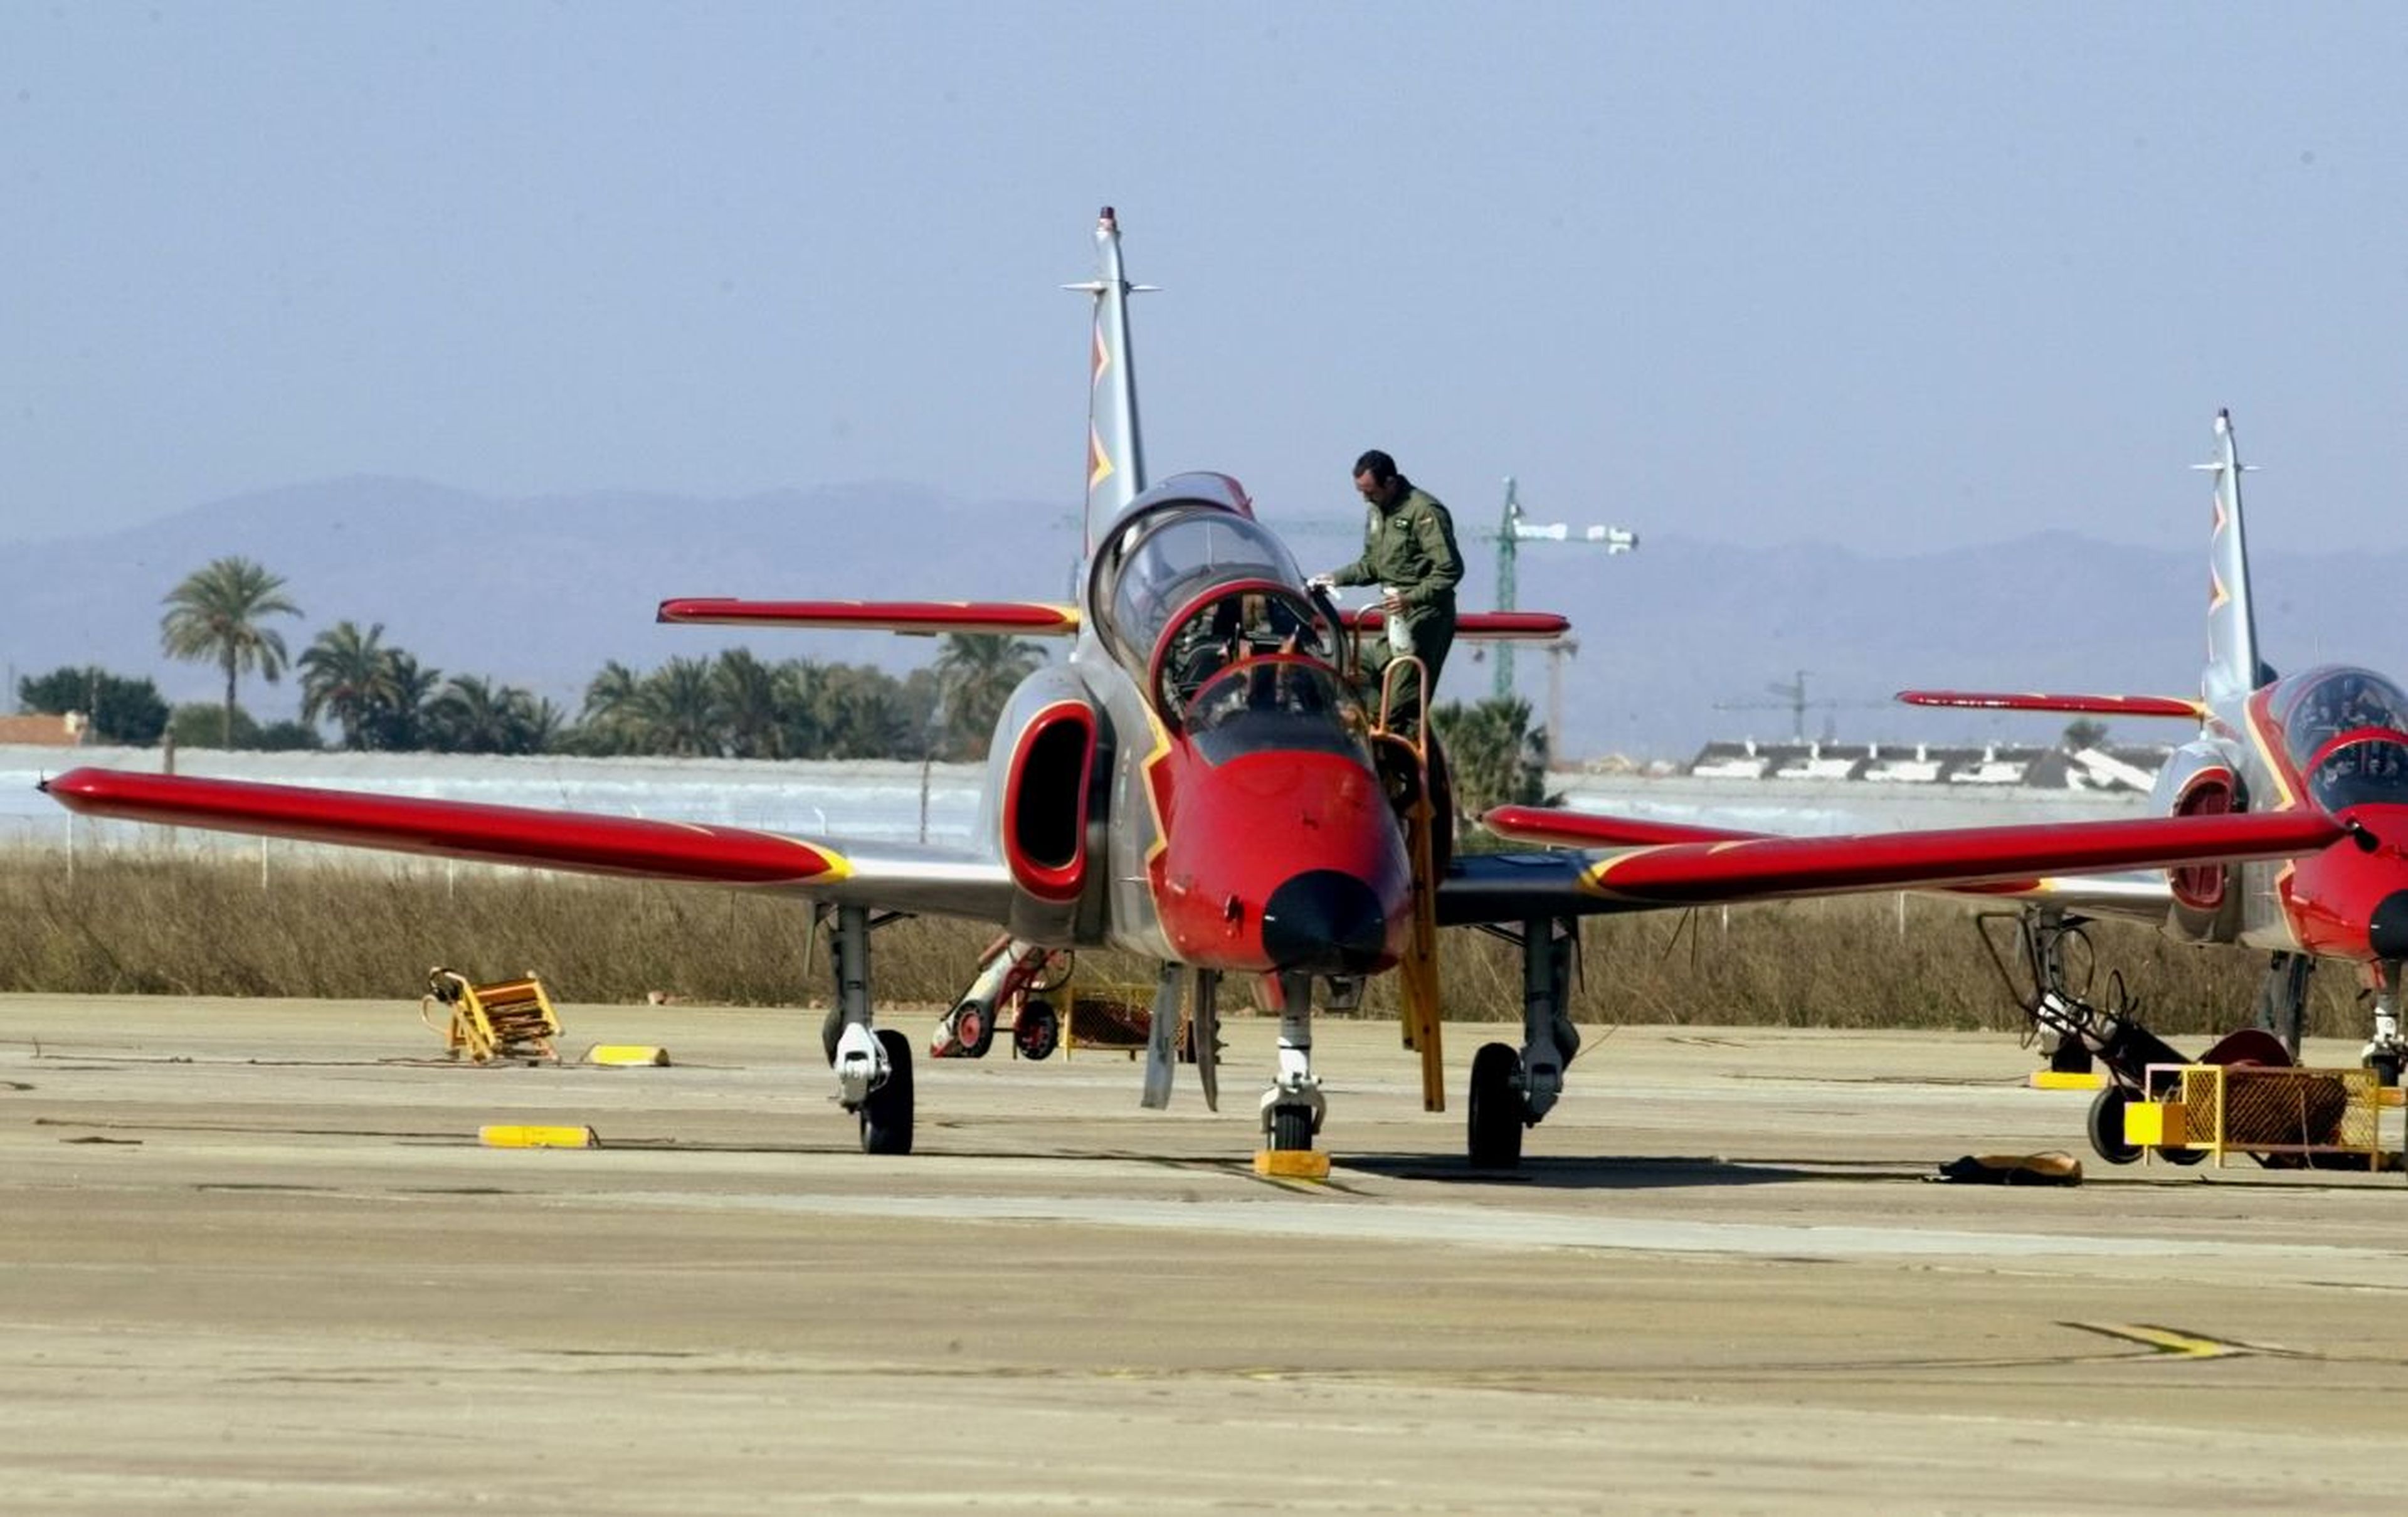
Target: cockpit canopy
(1282, 701)
(2316, 705)
(1171, 547)
(2346, 730)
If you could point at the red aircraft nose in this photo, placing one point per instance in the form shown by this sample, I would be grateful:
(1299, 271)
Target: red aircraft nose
(1281, 860)
(2351, 900)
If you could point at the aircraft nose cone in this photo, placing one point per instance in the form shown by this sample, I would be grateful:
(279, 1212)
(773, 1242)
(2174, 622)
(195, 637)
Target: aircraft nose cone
(2386, 930)
(1325, 921)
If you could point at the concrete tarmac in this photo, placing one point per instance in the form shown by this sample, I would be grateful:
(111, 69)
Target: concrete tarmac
(256, 1261)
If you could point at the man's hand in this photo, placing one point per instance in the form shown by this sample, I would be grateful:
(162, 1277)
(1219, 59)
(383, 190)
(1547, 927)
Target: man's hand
(1322, 582)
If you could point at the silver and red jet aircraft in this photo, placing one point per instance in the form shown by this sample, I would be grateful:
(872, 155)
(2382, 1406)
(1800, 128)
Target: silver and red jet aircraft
(1202, 782)
(2328, 741)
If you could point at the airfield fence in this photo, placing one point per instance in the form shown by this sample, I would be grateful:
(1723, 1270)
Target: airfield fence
(286, 920)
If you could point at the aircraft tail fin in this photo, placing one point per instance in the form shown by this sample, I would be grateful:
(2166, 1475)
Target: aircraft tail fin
(1115, 451)
(2233, 668)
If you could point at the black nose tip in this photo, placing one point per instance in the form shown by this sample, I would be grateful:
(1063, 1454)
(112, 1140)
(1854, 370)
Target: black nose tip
(2386, 930)
(1325, 921)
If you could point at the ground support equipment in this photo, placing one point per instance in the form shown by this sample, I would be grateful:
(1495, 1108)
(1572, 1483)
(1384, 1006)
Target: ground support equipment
(2283, 1117)
(1014, 987)
(508, 1018)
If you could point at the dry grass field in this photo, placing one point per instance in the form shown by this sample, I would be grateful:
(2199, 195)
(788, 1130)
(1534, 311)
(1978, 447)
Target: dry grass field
(148, 923)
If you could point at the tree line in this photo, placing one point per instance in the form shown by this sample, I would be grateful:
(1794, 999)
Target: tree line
(378, 697)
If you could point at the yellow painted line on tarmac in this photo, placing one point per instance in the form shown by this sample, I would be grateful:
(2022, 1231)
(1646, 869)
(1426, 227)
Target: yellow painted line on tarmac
(539, 1137)
(2166, 1339)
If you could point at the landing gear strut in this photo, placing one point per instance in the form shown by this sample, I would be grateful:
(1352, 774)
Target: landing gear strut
(1512, 1090)
(2048, 940)
(873, 1065)
(2282, 999)
(1292, 1107)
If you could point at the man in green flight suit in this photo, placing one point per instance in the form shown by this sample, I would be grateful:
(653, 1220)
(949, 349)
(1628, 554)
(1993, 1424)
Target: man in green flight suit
(1408, 548)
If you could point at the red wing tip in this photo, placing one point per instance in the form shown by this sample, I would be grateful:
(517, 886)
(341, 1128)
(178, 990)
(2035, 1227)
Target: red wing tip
(78, 782)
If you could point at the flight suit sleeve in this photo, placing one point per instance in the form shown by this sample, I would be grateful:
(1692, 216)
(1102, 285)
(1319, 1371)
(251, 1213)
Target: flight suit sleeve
(1434, 536)
(1359, 572)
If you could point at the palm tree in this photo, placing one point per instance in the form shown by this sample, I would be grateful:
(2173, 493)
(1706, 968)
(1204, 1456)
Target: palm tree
(475, 716)
(679, 709)
(1493, 755)
(750, 705)
(977, 672)
(395, 719)
(859, 713)
(347, 673)
(613, 709)
(214, 616)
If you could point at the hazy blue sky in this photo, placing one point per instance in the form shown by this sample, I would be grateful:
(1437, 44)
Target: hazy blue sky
(1903, 276)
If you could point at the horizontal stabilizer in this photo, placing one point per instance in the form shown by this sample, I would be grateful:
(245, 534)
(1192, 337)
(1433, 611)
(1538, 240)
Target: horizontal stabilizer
(1484, 626)
(2178, 705)
(1680, 864)
(914, 618)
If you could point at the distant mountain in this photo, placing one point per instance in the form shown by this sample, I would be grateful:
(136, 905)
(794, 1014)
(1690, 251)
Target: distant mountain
(534, 593)
(1677, 643)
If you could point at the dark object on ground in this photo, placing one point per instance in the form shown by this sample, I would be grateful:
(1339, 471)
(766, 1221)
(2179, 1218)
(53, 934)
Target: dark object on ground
(2012, 1169)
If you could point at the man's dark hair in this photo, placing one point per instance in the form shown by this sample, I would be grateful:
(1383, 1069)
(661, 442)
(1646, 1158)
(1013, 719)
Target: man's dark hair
(1379, 466)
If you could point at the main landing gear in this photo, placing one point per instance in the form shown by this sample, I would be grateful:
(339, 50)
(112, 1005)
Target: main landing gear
(1511, 1089)
(873, 1065)
(2050, 940)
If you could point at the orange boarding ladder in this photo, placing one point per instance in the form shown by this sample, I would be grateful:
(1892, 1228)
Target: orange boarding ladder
(1417, 975)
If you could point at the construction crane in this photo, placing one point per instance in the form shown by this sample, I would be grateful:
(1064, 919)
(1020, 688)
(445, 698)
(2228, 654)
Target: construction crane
(1511, 531)
(1793, 700)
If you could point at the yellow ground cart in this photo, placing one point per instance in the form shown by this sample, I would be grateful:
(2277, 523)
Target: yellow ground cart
(2284, 1116)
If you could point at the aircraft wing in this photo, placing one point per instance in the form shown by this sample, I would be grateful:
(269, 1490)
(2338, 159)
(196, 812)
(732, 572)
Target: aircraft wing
(947, 881)
(912, 618)
(2181, 706)
(1671, 865)
(1478, 626)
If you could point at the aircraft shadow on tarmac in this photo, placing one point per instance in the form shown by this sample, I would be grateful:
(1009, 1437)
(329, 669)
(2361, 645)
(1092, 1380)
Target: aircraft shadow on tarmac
(1605, 1172)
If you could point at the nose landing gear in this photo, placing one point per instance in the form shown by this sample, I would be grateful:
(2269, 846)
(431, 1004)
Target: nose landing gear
(1292, 1109)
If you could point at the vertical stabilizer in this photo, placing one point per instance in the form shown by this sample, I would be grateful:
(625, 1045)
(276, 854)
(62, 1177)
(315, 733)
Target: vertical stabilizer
(2232, 667)
(1115, 453)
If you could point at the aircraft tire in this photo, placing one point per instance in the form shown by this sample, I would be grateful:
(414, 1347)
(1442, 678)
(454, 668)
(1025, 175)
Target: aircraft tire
(2183, 1158)
(1037, 1032)
(2106, 1125)
(886, 1116)
(1492, 1129)
(2386, 1068)
(974, 1027)
(1292, 1129)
